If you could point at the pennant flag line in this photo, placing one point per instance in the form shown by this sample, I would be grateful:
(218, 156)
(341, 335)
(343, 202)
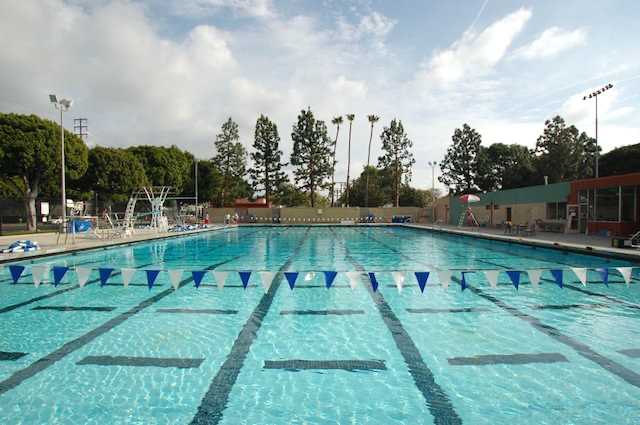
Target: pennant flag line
(310, 276)
(514, 275)
(557, 275)
(38, 273)
(245, 276)
(626, 274)
(151, 277)
(16, 272)
(175, 276)
(492, 277)
(422, 278)
(444, 276)
(58, 274)
(197, 277)
(534, 277)
(329, 277)
(127, 274)
(104, 275)
(221, 278)
(354, 277)
(83, 275)
(582, 274)
(399, 278)
(463, 283)
(604, 275)
(291, 278)
(267, 278)
(374, 281)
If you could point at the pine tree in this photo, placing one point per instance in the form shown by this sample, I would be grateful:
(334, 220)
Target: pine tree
(460, 164)
(311, 153)
(267, 171)
(397, 158)
(231, 157)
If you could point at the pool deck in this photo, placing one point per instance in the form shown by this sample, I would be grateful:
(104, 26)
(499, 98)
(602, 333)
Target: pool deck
(574, 242)
(48, 245)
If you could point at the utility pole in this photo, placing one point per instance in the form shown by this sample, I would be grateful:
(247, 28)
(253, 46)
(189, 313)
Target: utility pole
(80, 129)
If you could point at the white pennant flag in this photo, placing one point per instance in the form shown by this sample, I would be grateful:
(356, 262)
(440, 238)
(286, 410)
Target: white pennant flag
(399, 278)
(175, 276)
(38, 273)
(492, 277)
(354, 277)
(310, 276)
(127, 274)
(444, 276)
(534, 277)
(221, 278)
(626, 274)
(267, 278)
(83, 275)
(581, 273)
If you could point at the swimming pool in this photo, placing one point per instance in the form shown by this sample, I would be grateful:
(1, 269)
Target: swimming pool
(311, 355)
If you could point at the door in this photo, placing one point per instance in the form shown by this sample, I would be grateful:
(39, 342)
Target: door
(508, 213)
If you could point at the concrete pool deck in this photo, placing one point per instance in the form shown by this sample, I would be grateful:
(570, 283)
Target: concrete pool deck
(579, 243)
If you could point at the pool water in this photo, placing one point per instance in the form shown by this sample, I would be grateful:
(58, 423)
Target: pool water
(313, 355)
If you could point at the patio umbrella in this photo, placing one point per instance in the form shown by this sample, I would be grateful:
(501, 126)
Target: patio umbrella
(469, 198)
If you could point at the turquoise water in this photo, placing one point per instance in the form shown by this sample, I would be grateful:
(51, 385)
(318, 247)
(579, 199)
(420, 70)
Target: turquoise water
(386, 357)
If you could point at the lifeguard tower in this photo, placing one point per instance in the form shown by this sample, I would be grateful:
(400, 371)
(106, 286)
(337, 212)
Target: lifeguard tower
(467, 213)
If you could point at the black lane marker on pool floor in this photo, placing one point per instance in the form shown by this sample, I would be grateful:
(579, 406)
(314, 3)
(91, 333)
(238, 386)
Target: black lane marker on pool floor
(516, 359)
(217, 396)
(437, 400)
(348, 365)
(634, 353)
(449, 310)
(321, 312)
(179, 363)
(584, 350)
(195, 311)
(39, 365)
(71, 308)
(10, 355)
(567, 306)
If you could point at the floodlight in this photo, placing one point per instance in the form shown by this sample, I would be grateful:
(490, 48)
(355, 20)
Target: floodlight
(53, 98)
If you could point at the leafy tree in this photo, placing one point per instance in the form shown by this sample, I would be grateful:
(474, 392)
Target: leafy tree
(336, 121)
(350, 117)
(114, 173)
(379, 188)
(164, 166)
(31, 157)
(231, 160)
(311, 153)
(267, 171)
(397, 156)
(209, 181)
(503, 167)
(460, 164)
(563, 153)
(289, 195)
(372, 119)
(622, 160)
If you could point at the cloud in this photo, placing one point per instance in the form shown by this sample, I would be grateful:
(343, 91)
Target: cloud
(372, 28)
(473, 55)
(551, 42)
(199, 8)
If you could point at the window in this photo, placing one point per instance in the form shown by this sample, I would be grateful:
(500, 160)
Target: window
(628, 201)
(556, 211)
(607, 204)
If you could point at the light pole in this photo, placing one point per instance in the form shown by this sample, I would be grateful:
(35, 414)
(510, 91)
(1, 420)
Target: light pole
(63, 105)
(433, 164)
(595, 94)
(195, 160)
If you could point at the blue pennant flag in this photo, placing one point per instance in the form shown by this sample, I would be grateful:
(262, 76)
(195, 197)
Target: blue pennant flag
(197, 277)
(104, 275)
(374, 281)
(58, 274)
(16, 272)
(515, 277)
(291, 278)
(330, 277)
(604, 274)
(422, 278)
(151, 277)
(244, 276)
(557, 275)
(463, 284)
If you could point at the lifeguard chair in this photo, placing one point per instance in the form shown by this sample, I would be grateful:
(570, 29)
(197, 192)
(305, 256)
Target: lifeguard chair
(467, 213)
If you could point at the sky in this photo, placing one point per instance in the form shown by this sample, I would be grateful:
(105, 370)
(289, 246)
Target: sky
(164, 72)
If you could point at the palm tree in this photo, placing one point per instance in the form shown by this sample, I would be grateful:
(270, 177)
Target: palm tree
(337, 121)
(372, 119)
(350, 117)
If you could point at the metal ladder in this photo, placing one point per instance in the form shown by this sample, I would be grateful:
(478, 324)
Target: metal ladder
(636, 236)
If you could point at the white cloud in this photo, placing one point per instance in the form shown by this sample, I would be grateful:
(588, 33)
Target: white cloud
(474, 54)
(551, 42)
(199, 8)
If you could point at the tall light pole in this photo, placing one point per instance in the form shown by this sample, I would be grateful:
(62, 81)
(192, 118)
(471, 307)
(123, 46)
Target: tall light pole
(195, 160)
(433, 164)
(595, 94)
(63, 105)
